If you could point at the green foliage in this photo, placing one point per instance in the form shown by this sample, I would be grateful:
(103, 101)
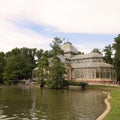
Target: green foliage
(14, 68)
(56, 70)
(19, 64)
(83, 84)
(114, 113)
(71, 82)
(39, 53)
(81, 53)
(56, 47)
(96, 50)
(57, 74)
(42, 73)
(116, 47)
(48, 54)
(2, 64)
(108, 54)
(50, 67)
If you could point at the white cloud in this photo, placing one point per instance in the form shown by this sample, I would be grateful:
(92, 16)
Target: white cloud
(81, 16)
(86, 16)
(11, 37)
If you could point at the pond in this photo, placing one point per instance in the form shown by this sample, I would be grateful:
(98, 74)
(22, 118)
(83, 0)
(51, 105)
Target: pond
(31, 103)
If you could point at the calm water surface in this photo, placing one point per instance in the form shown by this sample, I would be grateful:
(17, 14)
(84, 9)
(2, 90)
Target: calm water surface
(30, 103)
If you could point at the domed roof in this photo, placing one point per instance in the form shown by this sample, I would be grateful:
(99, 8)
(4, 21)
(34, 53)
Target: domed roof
(89, 55)
(67, 47)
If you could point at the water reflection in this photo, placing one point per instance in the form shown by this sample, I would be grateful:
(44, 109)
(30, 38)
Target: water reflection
(29, 103)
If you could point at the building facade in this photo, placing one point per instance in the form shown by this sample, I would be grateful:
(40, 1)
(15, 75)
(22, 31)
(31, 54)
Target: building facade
(84, 67)
(87, 67)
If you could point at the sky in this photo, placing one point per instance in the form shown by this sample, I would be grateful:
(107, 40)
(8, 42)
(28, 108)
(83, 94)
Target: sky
(87, 24)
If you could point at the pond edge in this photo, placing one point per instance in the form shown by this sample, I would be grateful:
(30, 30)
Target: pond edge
(108, 106)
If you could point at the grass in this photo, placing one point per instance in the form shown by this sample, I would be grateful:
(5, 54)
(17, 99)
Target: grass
(114, 113)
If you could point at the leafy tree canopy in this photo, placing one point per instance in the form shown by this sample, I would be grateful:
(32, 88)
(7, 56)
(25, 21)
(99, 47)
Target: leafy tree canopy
(19, 64)
(116, 47)
(2, 64)
(96, 50)
(56, 70)
(108, 50)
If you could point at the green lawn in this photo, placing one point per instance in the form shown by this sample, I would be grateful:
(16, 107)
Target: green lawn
(114, 113)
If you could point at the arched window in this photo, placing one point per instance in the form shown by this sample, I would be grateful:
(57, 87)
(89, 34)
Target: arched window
(97, 73)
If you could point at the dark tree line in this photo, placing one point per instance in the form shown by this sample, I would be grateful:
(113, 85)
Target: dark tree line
(18, 64)
(2, 64)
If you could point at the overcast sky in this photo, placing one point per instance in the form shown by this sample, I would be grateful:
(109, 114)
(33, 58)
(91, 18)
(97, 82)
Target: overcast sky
(87, 24)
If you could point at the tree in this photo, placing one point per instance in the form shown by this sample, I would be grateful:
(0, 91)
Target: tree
(80, 53)
(116, 47)
(29, 55)
(14, 69)
(15, 51)
(42, 73)
(19, 64)
(56, 70)
(57, 74)
(48, 53)
(108, 54)
(39, 53)
(56, 49)
(2, 64)
(96, 50)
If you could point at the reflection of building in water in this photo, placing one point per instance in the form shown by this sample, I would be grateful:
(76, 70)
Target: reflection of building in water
(89, 67)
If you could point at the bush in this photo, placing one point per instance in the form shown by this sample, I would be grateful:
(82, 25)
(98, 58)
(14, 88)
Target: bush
(83, 84)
